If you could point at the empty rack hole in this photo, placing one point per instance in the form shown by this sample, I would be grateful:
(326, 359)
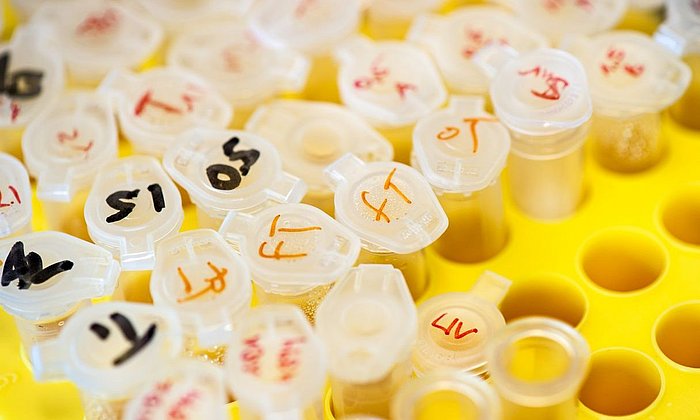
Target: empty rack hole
(623, 260)
(680, 215)
(546, 295)
(676, 334)
(621, 382)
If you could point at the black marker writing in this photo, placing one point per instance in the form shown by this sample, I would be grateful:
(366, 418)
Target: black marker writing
(233, 176)
(129, 333)
(20, 83)
(29, 269)
(116, 200)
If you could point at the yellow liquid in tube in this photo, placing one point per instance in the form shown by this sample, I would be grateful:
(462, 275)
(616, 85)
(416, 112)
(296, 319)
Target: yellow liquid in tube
(628, 144)
(412, 266)
(307, 301)
(369, 398)
(687, 110)
(477, 229)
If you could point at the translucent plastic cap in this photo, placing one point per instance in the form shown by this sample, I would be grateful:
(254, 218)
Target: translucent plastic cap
(556, 18)
(292, 247)
(132, 205)
(540, 92)
(110, 349)
(34, 73)
(198, 275)
(97, 36)
(190, 390)
(461, 148)
(15, 196)
(537, 361)
(680, 32)
(312, 135)
(276, 364)
(455, 38)
(230, 170)
(390, 83)
(46, 274)
(389, 205)
(244, 69)
(473, 397)
(453, 328)
(367, 323)
(310, 26)
(66, 147)
(156, 106)
(629, 73)
(176, 13)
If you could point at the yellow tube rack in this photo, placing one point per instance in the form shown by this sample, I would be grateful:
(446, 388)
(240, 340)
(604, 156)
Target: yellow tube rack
(625, 270)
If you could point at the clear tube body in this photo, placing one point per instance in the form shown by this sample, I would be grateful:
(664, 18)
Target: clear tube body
(206, 221)
(401, 138)
(307, 300)
(627, 143)
(685, 111)
(323, 200)
(537, 366)
(321, 84)
(546, 173)
(68, 217)
(97, 408)
(313, 411)
(477, 229)
(214, 355)
(133, 286)
(369, 398)
(34, 332)
(413, 267)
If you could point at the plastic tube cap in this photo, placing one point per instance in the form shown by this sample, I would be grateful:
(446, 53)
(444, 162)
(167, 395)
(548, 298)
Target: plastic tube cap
(110, 349)
(389, 205)
(557, 18)
(132, 205)
(446, 387)
(276, 364)
(16, 206)
(66, 146)
(28, 52)
(97, 36)
(175, 14)
(156, 106)
(233, 59)
(541, 92)
(629, 73)
(453, 328)
(367, 323)
(389, 83)
(461, 148)
(312, 135)
(455, 38)
(191, 390)
(198, 275)
(230, 170)
(311, 27)
(515, 349)
(292, 248)
(680, 32)
(90, 272)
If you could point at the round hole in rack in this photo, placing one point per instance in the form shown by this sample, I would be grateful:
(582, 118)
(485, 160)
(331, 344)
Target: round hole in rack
(675, 333)
(548, 295)
(680, 215)
(621, 382)
(623, 259)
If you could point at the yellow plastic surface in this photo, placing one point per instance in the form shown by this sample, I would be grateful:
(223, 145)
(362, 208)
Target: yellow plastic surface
(620, 269)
